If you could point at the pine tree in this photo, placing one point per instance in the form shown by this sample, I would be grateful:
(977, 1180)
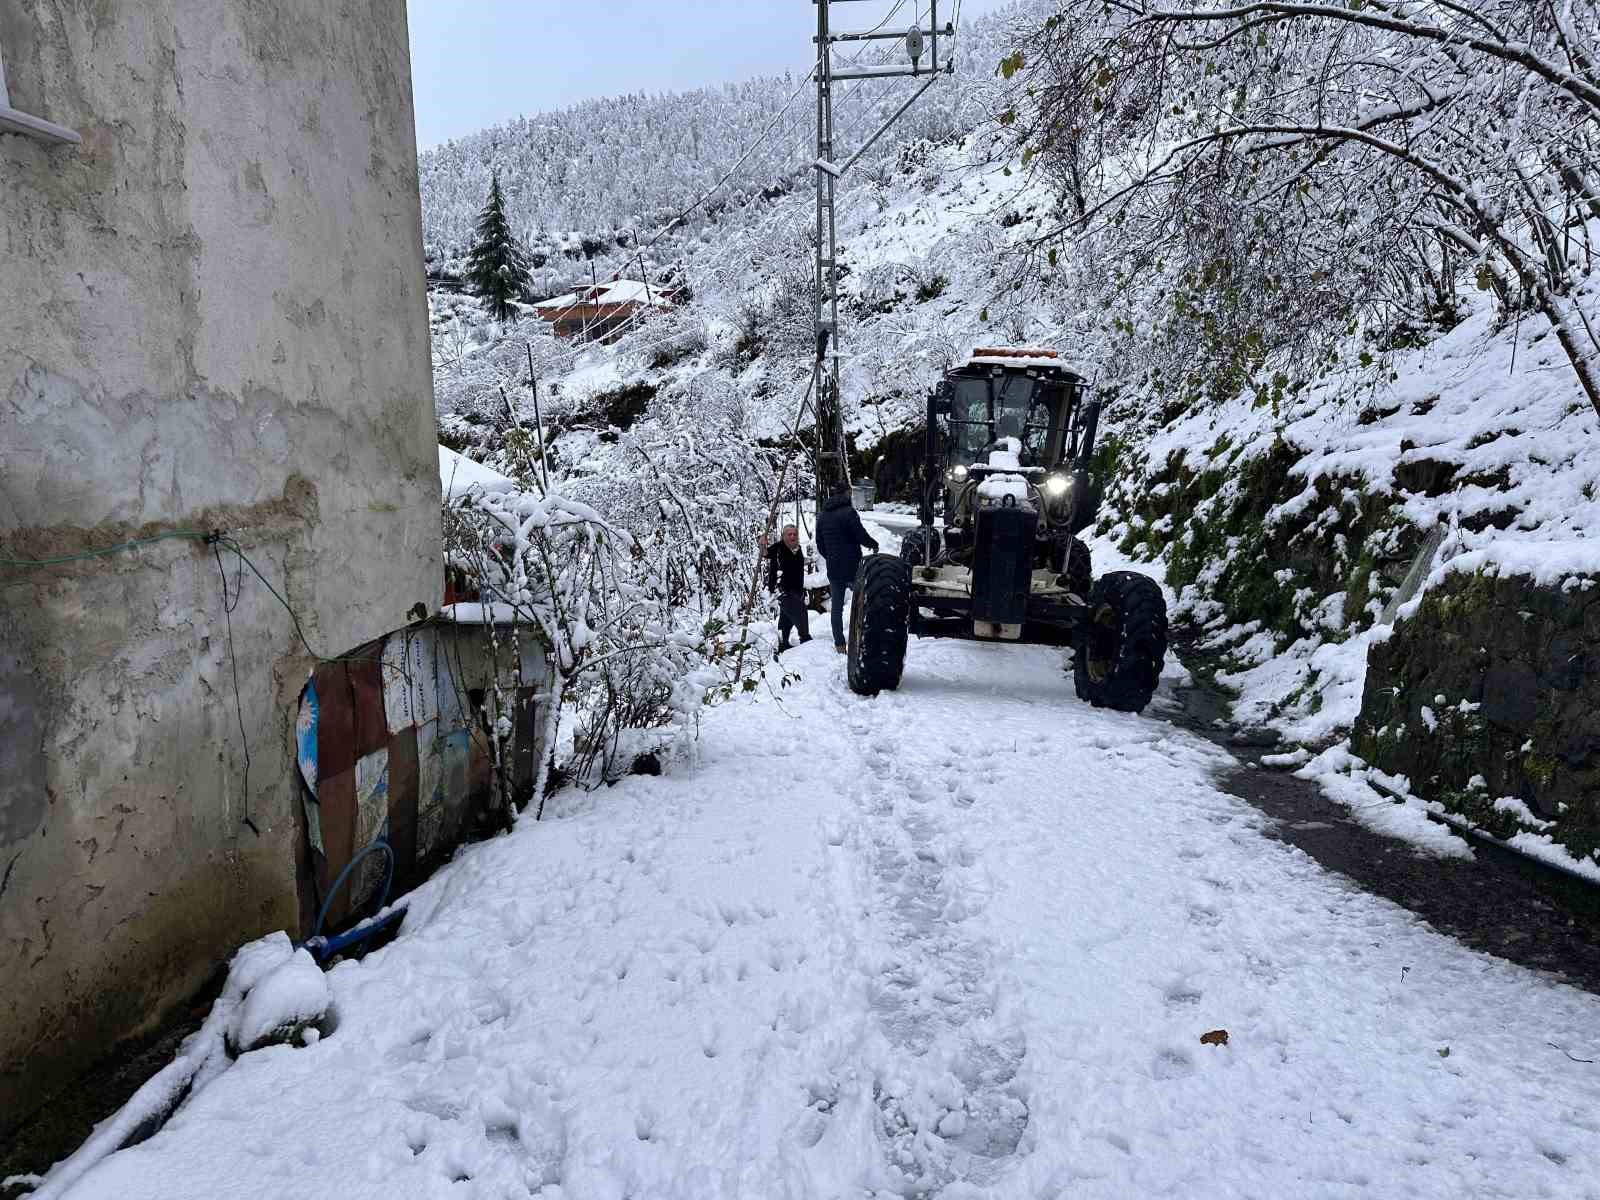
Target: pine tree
(497, 267)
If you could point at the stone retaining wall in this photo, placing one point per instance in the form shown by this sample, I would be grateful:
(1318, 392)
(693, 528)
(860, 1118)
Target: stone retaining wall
(1489, 695)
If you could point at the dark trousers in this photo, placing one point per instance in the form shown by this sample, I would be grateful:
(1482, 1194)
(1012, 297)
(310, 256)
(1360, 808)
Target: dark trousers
(792, 614)
(836, 590)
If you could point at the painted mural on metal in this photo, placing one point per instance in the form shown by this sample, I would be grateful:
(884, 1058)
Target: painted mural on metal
(391, 743)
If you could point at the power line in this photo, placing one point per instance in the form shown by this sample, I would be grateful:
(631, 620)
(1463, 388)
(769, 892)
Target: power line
(795, 95)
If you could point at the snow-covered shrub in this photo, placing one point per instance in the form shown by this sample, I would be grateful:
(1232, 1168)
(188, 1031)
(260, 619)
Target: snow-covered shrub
(640, 581)
(677, 337)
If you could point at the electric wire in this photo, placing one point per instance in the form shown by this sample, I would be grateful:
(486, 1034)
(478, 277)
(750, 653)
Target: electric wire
(106, 551)
(233, 659)
(218, 540)
(712, 190)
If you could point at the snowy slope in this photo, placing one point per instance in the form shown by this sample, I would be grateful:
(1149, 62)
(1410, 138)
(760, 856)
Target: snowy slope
(960, 940)
(1483, 434)
(594, 181)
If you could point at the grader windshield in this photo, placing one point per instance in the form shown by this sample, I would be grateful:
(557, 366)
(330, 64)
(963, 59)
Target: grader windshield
(1006, 404)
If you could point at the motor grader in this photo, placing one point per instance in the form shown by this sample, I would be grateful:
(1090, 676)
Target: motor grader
(1009, 443)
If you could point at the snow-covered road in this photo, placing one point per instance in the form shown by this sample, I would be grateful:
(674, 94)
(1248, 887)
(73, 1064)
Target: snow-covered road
(960, 940)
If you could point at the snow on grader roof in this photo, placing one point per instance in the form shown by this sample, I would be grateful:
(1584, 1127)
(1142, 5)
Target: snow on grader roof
(1019, 356)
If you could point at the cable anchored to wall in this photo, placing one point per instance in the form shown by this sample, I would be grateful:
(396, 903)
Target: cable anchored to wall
(218, 540)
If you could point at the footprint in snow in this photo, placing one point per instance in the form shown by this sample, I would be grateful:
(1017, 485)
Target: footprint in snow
(1182, 997)
(1172, 1063)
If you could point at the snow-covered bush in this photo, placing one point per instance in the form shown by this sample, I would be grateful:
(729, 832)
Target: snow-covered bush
(640, 580)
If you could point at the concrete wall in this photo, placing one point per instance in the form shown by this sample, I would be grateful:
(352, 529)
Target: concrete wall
(212, 314)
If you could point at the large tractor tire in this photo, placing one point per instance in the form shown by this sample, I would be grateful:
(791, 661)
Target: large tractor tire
(912, 547)
(1076, 566)
(879, 621)
(1118, 661)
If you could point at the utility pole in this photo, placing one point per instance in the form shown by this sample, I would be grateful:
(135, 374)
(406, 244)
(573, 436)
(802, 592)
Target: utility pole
(832, 462)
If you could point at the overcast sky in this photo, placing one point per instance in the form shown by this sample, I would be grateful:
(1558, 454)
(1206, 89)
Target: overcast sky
(477, 62)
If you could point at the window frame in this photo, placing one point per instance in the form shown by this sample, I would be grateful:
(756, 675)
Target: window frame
(13, 120)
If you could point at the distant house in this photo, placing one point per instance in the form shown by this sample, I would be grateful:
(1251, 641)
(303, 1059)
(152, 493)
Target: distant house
(599, 312)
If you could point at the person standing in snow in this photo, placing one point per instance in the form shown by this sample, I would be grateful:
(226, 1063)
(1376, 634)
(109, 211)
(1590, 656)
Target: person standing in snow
(786, 576)
(840, 536)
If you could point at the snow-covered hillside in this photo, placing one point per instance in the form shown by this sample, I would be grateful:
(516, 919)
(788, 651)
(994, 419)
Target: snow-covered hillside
(594, 181)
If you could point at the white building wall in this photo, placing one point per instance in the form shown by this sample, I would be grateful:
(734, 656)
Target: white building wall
(212, 315)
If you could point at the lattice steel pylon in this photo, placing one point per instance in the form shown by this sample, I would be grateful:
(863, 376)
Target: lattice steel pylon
(831, 458)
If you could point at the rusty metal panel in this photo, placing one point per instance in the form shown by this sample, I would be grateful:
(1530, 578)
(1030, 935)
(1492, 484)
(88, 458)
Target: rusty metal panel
(390, 741)
(336, 803)
(366, 685)
(403, 801)
(336, 722)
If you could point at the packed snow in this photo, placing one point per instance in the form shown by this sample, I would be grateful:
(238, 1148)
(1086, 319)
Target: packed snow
(968, 939)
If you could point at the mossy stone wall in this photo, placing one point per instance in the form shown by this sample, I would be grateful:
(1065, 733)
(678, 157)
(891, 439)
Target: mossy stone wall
(1490, 690)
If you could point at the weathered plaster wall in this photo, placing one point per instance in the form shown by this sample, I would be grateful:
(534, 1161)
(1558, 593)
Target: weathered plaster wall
(212, 313)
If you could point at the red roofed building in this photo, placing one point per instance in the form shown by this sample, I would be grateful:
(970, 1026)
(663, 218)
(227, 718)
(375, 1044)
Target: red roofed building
(601, 311)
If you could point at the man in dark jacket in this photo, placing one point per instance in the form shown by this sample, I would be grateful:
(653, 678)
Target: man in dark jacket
(786, 576)
(840, 536)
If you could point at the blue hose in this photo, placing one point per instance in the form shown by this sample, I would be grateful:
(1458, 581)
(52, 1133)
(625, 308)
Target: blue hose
(324, 948)
(388, 879)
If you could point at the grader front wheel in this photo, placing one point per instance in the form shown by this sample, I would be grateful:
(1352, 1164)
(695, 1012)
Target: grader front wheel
(1118, 659)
